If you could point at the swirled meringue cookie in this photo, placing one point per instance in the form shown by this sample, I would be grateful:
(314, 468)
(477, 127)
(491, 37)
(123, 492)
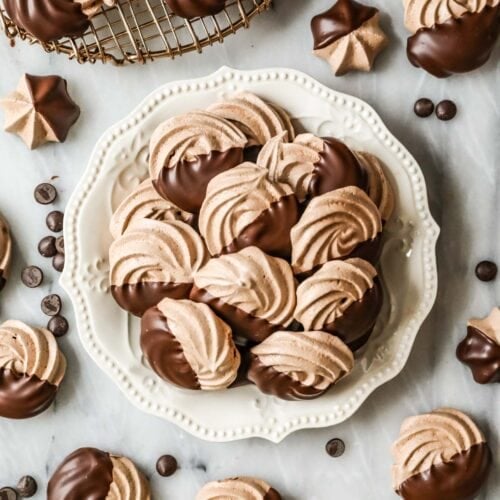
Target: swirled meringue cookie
(480, 350)
(89, 473)
(31, 370)
(312, 165)
(299, 365)
(257, 119)
(343, 298)
(440, 455)
(336, 225)
(451, 36)
(189, 345)
(251, 291)
(187, 151)
(348, 36)
(238, 488)
(145, 203)
(153, 260)
(196, 8)
(244, 208)
(5, 251)
(92, 7)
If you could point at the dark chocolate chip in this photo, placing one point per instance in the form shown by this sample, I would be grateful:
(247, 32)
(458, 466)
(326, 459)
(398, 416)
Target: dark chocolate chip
(424, 107)
(55, 221)
(446, 110)
(58, 262)
(51, 305)
(166, 465)
(26, 487)
(8, 494)
(60, 244)
(335, 447)
(486, 270)
(45, 193)
(32, 276)
(47, 246)
(58, 325)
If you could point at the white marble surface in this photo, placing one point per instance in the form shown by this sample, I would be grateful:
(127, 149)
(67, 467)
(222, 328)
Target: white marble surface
(459, 160)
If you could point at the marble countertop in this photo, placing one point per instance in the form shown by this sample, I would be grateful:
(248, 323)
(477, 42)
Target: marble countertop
(460, 161)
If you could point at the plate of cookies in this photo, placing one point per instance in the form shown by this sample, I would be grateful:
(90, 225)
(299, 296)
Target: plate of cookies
(249, 254)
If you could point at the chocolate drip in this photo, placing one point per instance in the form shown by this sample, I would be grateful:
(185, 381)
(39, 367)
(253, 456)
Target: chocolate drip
(459, 479)
(48, 20)
(272, 494)
(275, 383)
(164, 352)
(243, 324)
(185, 183)
(356, 325)
(458, 45)
(139, 297)
(24, 396)
(86, 474)
(270, 231)
(338, 21)
(3, 281)
(482, 355)
(196, 8)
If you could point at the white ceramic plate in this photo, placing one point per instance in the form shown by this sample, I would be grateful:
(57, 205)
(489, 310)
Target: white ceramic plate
(111, 336)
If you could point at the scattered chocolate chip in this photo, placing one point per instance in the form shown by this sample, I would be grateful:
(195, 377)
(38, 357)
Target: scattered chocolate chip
(446, 110)
(55, 221)
(335, 447)
(26, 487)
(51, 305)
(58, 325)
(47, 246)
(58, 262)
(32, 276)
(486, 270)
(8, 494)
(424, 107)
(166, 465)
(45, 193)
(60, 244)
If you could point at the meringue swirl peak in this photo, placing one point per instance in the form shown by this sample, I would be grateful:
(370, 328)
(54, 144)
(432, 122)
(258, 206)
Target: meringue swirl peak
(241, 488)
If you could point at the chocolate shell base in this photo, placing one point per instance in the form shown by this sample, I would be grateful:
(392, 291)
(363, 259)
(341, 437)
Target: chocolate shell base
(3, 281)
(482, 355)
(459, 479)
(24, 396)
(164, 352)
(85, 474)
(196, 8)
(272, 494)
(275, 383)
(139, 297)
(458, 45)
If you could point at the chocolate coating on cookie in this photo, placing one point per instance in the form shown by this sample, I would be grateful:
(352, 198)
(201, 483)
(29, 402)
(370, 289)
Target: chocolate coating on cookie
(196, 8)
(5, 251)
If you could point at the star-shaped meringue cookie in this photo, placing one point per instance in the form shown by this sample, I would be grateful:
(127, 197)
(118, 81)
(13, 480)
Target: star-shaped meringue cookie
(348, 36)
(40, 110)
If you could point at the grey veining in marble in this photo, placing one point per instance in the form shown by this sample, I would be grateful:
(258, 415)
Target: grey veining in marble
(460, 160)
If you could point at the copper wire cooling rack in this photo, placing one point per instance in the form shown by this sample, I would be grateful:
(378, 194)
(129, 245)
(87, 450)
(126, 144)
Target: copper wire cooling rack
(137, 31)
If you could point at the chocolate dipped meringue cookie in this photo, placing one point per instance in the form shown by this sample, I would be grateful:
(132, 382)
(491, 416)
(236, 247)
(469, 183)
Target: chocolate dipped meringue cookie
(31, 369)
(451, 36)
(480, 350)
(145, 203)
(257, 119)
(343, 298)
(238, 488)
(189, 345)
(89, 473)
(299, 365)
(251, 291)
(187, 151)
(244, 208)
(196, 8)
(336, 225)
(153, 260)
(440, 455)
(40, 110)
(348, 36)
(5, 251)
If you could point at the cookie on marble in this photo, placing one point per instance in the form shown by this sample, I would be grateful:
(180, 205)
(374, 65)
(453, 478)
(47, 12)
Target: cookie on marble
(299, 365)
(238, 488)
(89, 473)
(438, 455)
(480, 350)
(190, 9)
(31, 369)
(189, 346)
(348, 36)
(5, 251)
